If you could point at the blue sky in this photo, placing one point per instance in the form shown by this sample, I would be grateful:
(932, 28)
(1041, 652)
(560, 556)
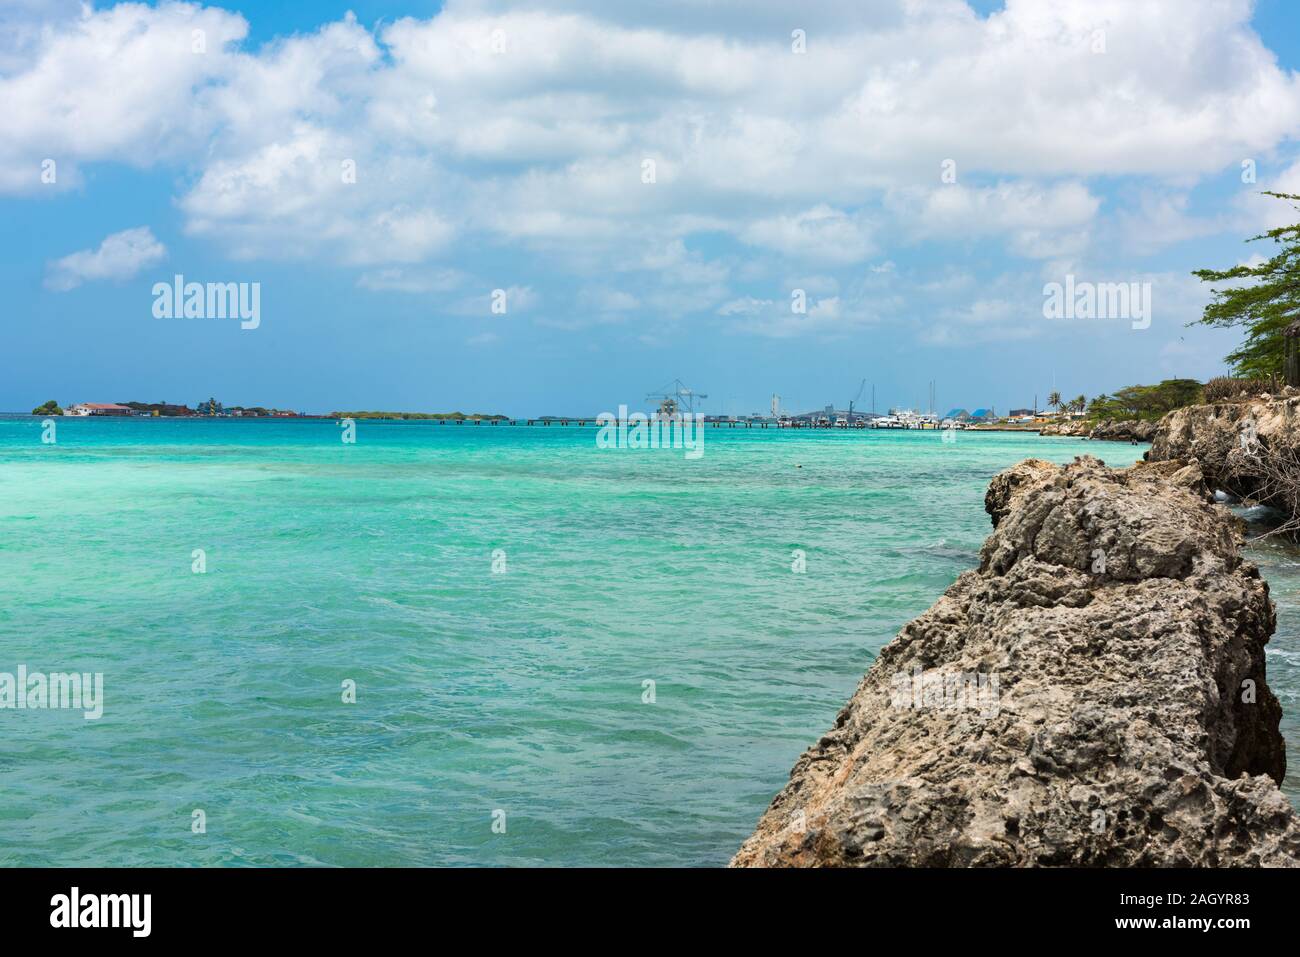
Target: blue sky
(503, 146)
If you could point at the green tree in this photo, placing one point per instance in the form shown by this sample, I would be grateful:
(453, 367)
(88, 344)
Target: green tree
(1147, 401)
(49, 408)
(1266, 305)
(1054, 400)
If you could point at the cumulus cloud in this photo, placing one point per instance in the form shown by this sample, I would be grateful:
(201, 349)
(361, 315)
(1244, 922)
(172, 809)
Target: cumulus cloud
(1038, 222)
(120, 256)
(122, 84)
(669, 155)
(827, 317)
(822, 234)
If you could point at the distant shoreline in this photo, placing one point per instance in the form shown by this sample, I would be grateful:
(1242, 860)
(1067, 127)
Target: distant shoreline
(575, 422)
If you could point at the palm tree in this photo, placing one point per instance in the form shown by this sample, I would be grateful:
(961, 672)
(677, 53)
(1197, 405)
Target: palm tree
(1054, 400)
(1080, 403)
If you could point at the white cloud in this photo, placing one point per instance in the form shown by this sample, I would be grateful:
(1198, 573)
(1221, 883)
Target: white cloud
(582, 92)
(745, 306)
(822, 234)
(120, 84)
(985, 320)
(830, 317)
(1259, 213)
(120, 256)
(1159, 219)
(804, 164)
(1038, 222)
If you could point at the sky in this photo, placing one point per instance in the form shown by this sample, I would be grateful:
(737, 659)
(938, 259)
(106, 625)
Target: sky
(556, 207)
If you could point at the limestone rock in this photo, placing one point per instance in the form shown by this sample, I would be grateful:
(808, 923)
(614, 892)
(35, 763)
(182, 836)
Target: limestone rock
(1093, 694)
(1234, 441)
(1109, 430)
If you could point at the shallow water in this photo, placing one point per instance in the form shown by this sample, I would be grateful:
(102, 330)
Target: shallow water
(477, 691)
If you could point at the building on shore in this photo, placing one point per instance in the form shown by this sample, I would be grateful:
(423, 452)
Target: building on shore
(97, 408)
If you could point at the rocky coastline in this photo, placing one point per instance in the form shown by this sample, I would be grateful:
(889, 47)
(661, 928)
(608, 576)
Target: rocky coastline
(1108, 430)
(1093, 694)
(1247, 447)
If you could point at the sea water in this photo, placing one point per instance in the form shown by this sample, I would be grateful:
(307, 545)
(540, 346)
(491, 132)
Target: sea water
(461, 644)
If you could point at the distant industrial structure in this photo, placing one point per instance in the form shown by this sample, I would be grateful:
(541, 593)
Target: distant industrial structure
(676, 399)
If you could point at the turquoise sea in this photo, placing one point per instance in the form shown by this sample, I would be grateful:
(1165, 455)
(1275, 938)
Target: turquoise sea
(520, 690)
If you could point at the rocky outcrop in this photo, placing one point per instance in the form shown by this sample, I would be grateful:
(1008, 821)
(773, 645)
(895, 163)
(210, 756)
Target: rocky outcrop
(1110, 430)
(1243, 446)
(1093, 694)
(1124, 430)
(1078, 428)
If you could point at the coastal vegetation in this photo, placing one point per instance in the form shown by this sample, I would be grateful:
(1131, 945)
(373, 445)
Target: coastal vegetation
(1147, 402)
(1223, 388)
(1077, 404)
(166, 410)
(1266, 304)
(162, 408)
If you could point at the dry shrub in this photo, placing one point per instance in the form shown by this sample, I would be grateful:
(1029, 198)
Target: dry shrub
(1223, 388)
(1276, 478)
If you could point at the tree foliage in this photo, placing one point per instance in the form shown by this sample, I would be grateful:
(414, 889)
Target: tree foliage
(1265, 304)
(1146, 401)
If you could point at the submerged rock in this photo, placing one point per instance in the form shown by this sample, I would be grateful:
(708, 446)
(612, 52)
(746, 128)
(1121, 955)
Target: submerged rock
(1093, 694)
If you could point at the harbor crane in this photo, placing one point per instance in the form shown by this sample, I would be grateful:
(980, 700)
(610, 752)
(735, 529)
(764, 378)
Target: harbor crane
(854, 400)
(676, 398)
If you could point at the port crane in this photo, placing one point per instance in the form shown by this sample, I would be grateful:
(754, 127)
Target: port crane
(676, 398)
(854, 400)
